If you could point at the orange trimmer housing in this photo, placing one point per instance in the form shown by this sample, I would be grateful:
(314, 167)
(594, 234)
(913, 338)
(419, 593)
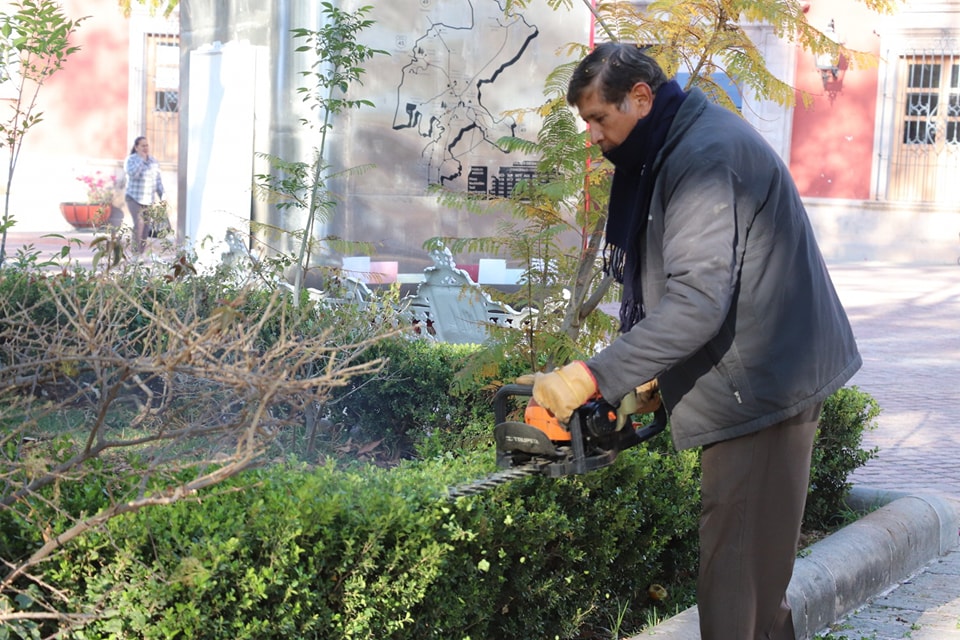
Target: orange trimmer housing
(540, 443)
(537, 416)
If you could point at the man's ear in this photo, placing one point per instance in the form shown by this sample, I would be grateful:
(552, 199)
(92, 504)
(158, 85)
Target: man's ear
(642, 95)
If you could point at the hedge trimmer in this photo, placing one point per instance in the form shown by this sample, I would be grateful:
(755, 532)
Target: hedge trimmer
(540, 445)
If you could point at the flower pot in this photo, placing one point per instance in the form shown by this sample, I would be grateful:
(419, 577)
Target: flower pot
(82, 215)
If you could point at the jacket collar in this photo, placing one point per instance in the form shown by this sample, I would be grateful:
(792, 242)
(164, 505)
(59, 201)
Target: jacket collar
(694, 105)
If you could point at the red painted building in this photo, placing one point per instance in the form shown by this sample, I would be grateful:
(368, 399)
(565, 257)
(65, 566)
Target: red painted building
(877, 154)
(122, 82)
(832, 146)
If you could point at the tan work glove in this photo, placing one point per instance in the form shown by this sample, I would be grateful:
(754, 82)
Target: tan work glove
(648, 397)
(643, 399)
(563, 390)
(526, 378)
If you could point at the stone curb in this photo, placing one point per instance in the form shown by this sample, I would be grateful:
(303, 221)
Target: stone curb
(844, 570)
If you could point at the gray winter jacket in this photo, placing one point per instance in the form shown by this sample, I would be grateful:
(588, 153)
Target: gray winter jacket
(742, 325)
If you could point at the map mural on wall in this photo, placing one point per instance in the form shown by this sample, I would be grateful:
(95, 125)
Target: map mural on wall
(441, 99)
(456, 67)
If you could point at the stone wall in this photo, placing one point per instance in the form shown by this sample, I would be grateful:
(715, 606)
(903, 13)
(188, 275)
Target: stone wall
(873, 231)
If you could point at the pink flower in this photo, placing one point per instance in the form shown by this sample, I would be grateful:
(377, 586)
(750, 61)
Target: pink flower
(100, 187)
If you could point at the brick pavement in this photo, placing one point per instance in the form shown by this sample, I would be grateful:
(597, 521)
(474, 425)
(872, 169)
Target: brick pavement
(906, 320)
(920, 608)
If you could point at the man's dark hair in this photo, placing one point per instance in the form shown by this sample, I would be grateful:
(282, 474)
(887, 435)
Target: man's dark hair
(614, 67)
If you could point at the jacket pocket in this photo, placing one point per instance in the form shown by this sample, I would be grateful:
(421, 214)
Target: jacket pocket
(729, 367)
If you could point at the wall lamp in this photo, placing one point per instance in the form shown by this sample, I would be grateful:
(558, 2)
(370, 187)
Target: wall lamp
(831, 65)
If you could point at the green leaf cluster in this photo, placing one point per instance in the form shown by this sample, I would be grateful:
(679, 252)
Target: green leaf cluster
(846, 416)
(335, 66)
(165, 7)
(553, 227)
(709, 36)
(326, 552)
(337, 59)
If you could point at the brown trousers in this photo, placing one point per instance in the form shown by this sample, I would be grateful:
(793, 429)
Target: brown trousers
(753, 490)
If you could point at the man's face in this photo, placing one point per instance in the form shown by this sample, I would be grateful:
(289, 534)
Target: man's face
(610, 123)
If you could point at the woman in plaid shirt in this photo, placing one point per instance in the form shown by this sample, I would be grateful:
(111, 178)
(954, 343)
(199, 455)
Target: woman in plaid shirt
(143, 186)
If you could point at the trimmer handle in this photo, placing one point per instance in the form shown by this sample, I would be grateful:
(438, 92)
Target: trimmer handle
(648, 431)
(506, 392)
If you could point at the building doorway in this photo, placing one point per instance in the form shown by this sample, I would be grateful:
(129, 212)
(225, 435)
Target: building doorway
(161, 100)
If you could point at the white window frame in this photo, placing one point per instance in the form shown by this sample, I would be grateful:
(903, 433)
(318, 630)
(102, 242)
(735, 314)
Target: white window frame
(917, 27)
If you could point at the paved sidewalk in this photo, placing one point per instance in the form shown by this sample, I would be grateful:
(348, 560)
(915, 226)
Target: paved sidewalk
(906, 319)
(48, 244)
(907, 323)
(925, 607)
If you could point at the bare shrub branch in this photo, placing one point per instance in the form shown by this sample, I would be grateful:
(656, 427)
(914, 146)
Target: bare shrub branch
(154, 391)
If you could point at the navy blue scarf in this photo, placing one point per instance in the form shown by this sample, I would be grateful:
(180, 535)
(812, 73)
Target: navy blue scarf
(630, 196)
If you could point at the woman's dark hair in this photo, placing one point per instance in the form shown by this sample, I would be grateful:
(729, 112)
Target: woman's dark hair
(136, 141)
(614, 68)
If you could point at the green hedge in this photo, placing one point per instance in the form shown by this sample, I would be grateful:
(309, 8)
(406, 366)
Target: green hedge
(415, 399)
(371, 553)
(846, 416)
(420, 402)
(295, 552)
